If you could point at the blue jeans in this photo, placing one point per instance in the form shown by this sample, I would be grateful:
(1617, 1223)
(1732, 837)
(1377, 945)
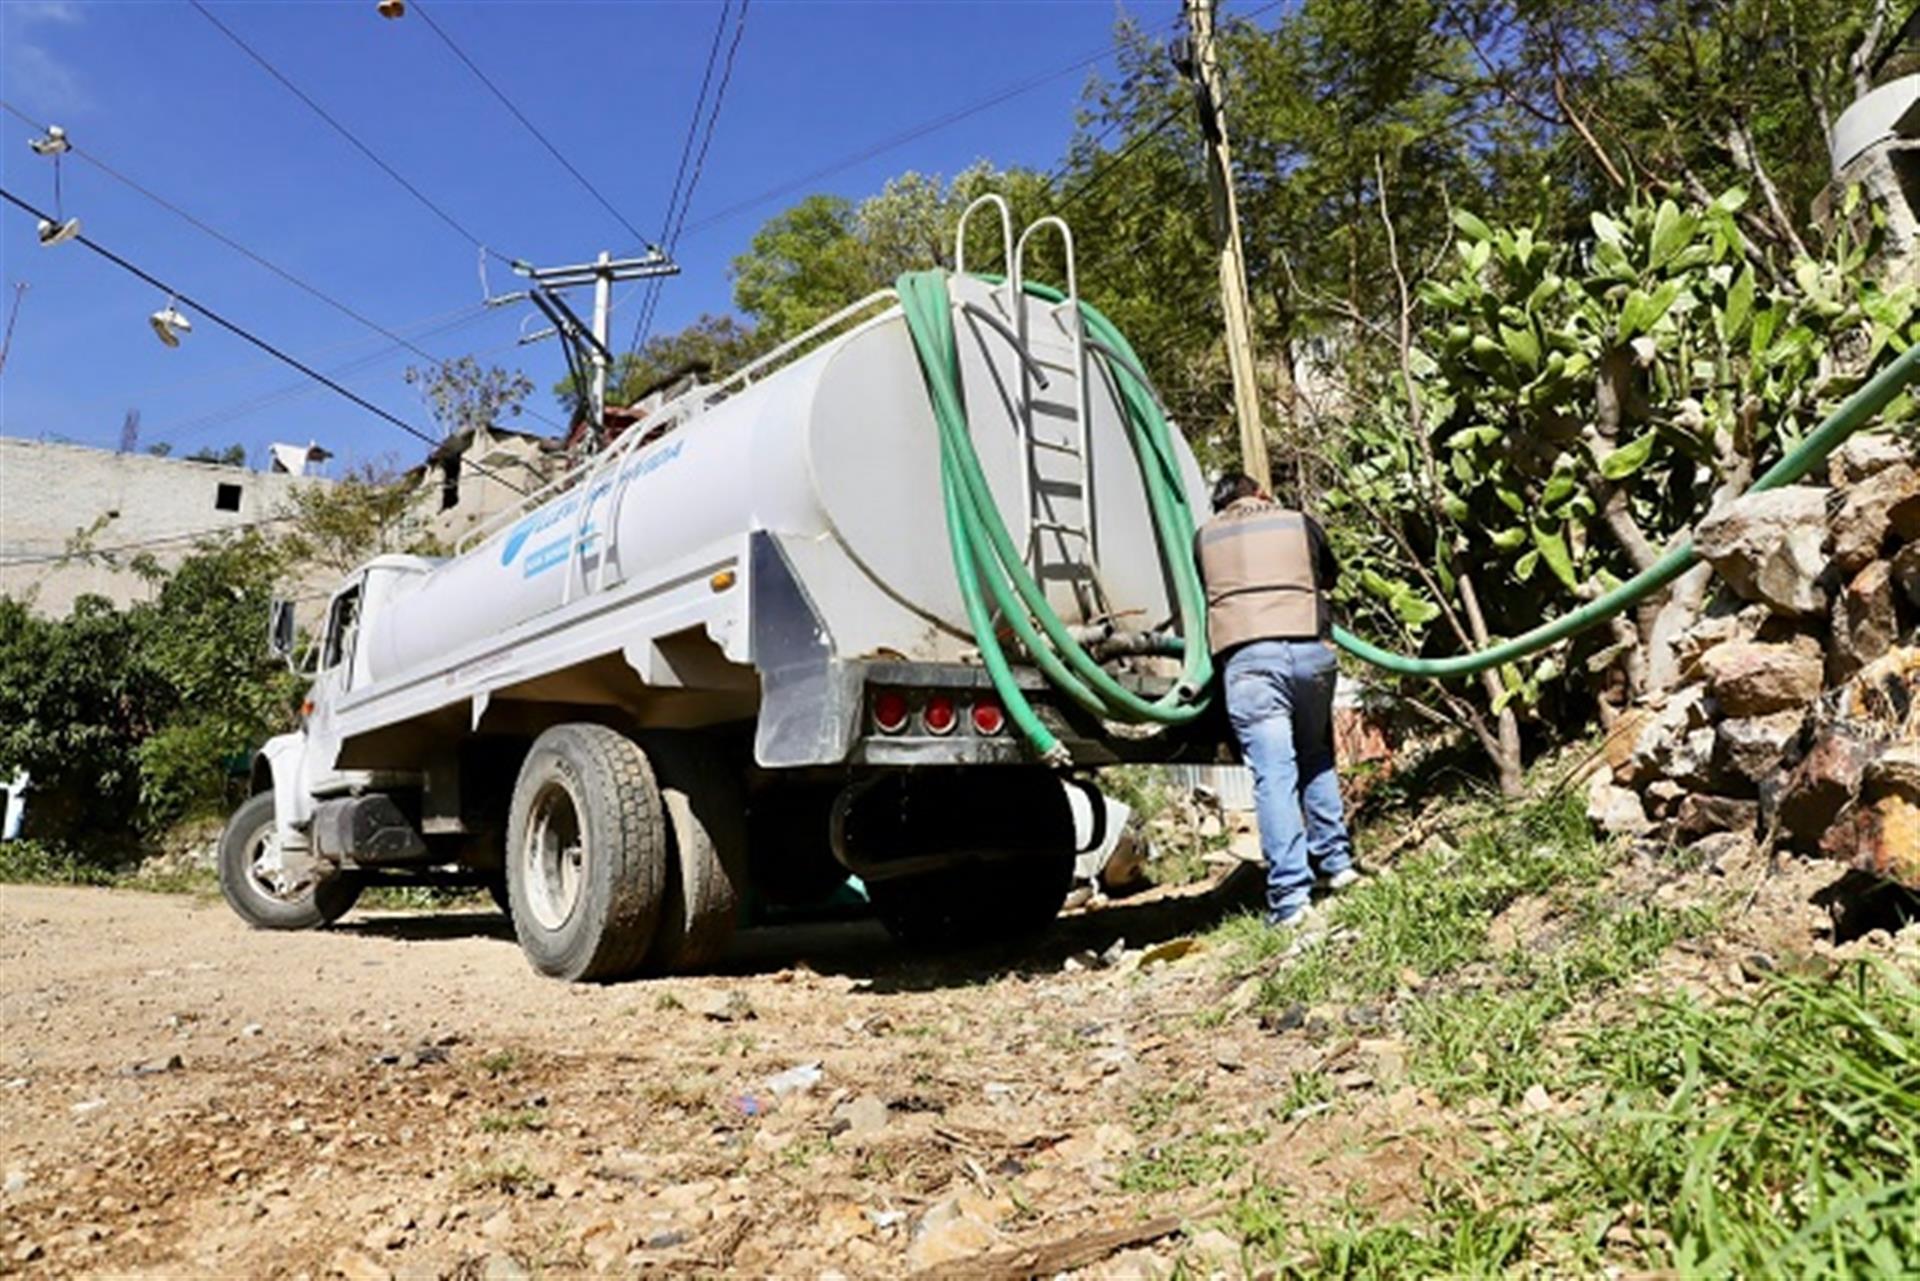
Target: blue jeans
(1280, 700)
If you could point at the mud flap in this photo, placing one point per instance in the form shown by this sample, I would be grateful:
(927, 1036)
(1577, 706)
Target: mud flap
(809, 700)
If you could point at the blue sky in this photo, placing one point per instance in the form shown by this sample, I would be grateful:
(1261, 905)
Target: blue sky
(157, 92)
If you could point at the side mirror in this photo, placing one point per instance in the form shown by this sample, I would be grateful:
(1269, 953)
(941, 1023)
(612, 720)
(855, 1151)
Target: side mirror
(280, 633)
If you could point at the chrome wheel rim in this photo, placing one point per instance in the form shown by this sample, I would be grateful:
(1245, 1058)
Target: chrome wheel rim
(553, 857)
(267, 870)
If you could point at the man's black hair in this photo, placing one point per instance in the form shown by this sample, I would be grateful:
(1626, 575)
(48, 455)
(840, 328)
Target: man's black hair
(1231, 488)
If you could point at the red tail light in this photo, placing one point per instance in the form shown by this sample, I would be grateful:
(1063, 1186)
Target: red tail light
(988, 718)
(940, 716)
(890, 711)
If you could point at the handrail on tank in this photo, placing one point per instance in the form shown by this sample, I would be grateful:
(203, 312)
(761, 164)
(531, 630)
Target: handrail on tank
(632, 436)
(1006, 232)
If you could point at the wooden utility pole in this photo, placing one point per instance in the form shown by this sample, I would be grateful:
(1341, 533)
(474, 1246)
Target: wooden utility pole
(1203, 67)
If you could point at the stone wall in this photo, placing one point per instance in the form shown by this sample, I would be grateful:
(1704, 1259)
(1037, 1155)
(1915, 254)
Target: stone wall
(1796, 714)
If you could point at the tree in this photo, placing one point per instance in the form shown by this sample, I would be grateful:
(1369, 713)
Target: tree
(367, 512)
(463, 396)
(131, 719)
(827, 252)
(1566, 408)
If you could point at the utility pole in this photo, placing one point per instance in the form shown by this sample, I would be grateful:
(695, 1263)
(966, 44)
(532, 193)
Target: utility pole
(1202, 66)
(549, 283)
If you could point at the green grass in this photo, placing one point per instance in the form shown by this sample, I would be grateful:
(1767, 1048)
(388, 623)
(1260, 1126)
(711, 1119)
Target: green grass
(1190, 1161)
(1772, 1136)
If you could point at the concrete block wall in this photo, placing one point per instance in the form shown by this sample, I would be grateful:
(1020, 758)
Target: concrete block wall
(49, 493)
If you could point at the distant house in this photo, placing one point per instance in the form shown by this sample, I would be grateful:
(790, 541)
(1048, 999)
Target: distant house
(73, 518)
(475, 474)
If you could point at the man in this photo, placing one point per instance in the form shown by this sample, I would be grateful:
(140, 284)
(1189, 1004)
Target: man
(1267, 572)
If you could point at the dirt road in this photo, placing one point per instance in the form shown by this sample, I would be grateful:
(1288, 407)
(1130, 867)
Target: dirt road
(401, 1095)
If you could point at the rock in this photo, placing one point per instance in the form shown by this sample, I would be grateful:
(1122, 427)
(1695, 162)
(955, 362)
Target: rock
(1752, 678)
(252, 1029)
(1615, 810)
(1864, 623)
(1665, 736)
(504, 1267)
(16, 1182)
(1702, 814)
(955, 1228)
(355, 1266)
(860, 1119)
(1882, 837)
(1217, 1248)
(1906, 572)
(1826, 780)
(1662, 797)
(842, 1221)
(1768, 547)
(1714, 850)
(1866, 454)
(1715, 629)
(721, 1007)
(1894, 772)
(1865, 518)
(157, 1067)
(1752, 747)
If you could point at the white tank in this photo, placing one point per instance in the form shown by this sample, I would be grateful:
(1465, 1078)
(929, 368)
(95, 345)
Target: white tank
(838, 448)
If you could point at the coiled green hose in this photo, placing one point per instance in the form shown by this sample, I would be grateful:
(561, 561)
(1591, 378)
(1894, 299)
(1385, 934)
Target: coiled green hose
(984, 553)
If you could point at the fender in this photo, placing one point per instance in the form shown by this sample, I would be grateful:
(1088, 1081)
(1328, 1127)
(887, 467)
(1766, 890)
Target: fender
(279, 762)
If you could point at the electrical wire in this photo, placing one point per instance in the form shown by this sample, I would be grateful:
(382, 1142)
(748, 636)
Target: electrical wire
(699, 160)
(252, 255)
(246, 335)
(643, 320)
(458, 227)
(420, 10)
(76, 553)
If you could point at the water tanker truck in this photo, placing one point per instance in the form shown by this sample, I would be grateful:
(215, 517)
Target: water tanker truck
(743, 651)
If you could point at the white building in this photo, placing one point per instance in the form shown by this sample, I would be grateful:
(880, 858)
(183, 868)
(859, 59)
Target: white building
(72, 518)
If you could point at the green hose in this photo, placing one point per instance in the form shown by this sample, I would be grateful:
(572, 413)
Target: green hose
(1853, 414)
(985, 555)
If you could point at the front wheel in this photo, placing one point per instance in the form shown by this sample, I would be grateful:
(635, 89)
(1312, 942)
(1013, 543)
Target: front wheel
(258, 886)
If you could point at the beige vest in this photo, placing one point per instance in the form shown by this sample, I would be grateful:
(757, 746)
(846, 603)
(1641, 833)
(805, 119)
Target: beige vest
(1257, 562)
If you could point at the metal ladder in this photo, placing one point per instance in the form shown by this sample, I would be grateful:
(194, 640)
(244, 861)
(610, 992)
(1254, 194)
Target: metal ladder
(1043, 492)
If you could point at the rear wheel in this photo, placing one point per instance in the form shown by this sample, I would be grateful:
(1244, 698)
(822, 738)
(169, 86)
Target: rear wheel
(707, 862)
(1002, 841)
(586, 853)
(259, 886)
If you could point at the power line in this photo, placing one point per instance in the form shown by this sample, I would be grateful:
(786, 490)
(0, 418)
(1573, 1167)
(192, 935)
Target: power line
(246, 335)
(700, 157)
(900, 139)
(161, 541)
(643, 321)
(348, 134)
(241, 249)
(530, 127)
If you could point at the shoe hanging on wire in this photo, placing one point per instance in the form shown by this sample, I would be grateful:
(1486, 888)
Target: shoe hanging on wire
(58, 229)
